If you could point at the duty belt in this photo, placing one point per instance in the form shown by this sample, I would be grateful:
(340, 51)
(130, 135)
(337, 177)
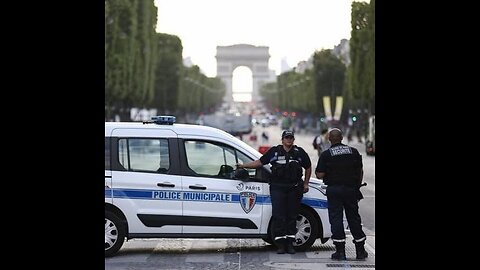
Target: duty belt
(285, 184)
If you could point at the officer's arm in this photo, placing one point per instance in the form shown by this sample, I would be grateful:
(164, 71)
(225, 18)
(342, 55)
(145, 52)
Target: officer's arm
(361, 169)
(251, 165)
(320, 167)
(308, 173)
(320, 175)
(361, 177)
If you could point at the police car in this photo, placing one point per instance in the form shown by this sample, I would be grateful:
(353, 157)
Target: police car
(168, 180)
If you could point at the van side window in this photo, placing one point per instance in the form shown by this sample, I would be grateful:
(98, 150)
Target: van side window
(244, 159)
(107, 154)
(147, 155)
(206, 159)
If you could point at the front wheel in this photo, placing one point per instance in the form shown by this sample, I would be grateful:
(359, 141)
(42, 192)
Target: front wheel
(114, 233)
(307, 230)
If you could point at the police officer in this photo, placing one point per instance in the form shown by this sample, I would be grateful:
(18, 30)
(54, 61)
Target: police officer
(286, 187)
(342, 170)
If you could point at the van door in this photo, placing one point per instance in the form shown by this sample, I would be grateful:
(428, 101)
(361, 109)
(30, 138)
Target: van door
(214, 202)
(145, 181)
(108, 172)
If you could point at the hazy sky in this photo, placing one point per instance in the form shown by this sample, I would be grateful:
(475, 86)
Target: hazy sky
(292, 29)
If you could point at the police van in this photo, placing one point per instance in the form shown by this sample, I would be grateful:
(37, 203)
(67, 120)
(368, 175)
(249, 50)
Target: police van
(169, 180)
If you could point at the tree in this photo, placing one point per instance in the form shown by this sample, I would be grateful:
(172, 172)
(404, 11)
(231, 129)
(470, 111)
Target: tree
(199, 93)
(329, 73)
(361, 72)
(130, 55)
(167, 73)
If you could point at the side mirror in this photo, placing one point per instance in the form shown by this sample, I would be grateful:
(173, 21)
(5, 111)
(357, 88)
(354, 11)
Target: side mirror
(241, 174)
(225, 171)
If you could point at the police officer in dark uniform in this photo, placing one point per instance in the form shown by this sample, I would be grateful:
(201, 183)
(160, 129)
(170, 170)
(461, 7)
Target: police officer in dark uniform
(341, 168)
(286, 187)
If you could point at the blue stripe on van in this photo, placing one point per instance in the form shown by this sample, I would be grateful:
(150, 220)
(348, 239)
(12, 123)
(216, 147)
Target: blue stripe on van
(197, 196)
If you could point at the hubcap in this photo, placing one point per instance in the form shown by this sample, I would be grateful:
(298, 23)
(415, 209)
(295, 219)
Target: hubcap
(304, 231)
(111, 234)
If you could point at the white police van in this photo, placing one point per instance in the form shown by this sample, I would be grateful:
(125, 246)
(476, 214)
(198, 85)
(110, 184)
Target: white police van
(166, 180)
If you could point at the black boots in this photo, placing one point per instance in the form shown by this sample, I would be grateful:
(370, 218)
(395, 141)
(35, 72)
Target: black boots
(340, 251)
(280, 243)
(285, 245)
(360, 249)
(290, 249)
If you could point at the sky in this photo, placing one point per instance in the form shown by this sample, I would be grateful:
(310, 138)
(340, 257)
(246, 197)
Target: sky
(292, 29)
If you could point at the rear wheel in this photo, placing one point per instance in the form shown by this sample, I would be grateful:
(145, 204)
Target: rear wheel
(114, 233)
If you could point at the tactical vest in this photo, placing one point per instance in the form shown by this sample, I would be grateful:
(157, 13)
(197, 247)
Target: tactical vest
(343, 170)
(286, 169)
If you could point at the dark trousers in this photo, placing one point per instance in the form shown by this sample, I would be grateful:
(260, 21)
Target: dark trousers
(285, 208)
(344, 198)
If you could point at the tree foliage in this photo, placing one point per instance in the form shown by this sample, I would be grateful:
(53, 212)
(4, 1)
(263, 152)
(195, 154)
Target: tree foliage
(199, 93)
(330, 75)
(303, 91)
(167, 73)
(144, 69)
(130, 55)
(361, 73)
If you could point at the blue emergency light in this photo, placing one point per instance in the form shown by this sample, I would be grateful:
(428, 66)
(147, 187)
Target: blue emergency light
(163, 119)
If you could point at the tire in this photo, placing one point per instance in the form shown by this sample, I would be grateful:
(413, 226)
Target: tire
(308, 230)
(114, 233)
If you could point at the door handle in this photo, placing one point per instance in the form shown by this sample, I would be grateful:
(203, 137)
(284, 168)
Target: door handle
(165, 184)
(197, 187)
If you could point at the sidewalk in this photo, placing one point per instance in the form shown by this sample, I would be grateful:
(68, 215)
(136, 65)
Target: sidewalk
(238, 254)
(319, 257)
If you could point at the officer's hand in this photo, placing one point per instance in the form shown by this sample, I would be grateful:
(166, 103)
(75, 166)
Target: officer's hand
(305, 188)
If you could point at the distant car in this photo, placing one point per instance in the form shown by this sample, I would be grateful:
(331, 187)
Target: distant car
(164, 179)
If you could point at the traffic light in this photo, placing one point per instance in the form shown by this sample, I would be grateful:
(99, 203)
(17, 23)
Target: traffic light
(354, 118)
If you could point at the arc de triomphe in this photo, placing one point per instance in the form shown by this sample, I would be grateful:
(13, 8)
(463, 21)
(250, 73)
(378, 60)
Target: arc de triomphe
(253, 57)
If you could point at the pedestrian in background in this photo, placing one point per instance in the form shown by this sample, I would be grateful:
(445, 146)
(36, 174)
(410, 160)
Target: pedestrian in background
(286, 187)
(341, 169)
(321, 142)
